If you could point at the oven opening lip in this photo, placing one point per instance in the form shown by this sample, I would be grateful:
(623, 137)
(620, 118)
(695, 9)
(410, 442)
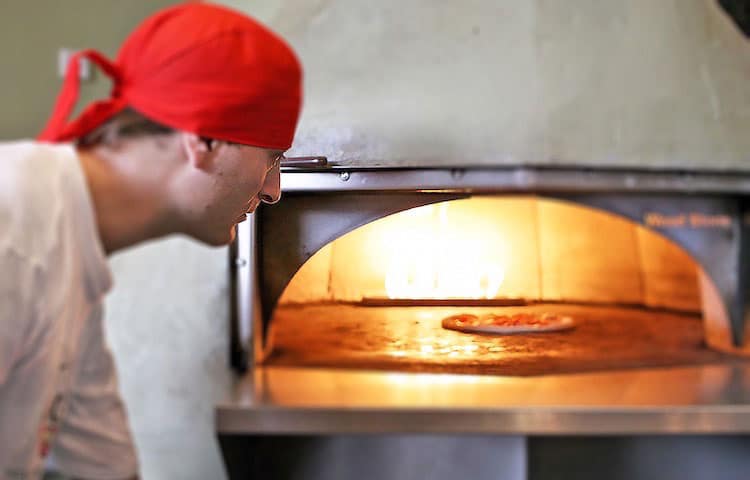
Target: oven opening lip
(505, 179)
(685, 173)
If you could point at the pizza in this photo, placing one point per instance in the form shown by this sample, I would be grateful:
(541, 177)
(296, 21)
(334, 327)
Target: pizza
(508, 324)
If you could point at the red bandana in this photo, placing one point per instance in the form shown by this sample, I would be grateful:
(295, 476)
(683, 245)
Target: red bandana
(195, 67)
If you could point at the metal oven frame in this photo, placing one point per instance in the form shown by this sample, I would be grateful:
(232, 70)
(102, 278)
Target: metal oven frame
(321, 204)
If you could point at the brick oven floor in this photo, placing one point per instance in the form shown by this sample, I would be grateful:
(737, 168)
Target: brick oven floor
(412, 339)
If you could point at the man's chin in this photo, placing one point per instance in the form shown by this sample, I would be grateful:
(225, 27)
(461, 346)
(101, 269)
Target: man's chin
(217, 240)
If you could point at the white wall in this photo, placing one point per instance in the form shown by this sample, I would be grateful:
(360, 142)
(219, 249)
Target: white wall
(427, 82)
(167, 326)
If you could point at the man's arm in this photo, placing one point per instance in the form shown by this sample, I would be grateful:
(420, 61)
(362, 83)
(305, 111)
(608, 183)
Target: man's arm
(16, 280)
(8, 325)
(94, 440)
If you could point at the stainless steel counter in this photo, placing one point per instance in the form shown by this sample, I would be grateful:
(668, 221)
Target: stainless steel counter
(709, 399)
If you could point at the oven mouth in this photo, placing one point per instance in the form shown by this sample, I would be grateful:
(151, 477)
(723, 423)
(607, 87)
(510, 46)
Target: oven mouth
(703, 214)
(638, 298)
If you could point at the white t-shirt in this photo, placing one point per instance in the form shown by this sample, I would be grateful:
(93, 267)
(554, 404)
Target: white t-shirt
(58, 385)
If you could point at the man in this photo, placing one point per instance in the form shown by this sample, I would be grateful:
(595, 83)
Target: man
(204, 102)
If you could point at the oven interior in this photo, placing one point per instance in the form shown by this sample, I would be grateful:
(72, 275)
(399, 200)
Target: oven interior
(368, 290)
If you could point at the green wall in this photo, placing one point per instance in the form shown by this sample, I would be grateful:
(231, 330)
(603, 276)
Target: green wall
(32, 31)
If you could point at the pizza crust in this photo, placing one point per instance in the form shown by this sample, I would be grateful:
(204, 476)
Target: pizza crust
(508, 324)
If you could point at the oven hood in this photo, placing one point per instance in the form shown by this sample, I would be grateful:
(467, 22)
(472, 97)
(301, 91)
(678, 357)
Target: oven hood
(527, 82)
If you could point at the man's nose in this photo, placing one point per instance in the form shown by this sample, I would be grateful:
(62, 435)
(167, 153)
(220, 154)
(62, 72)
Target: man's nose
(271, 191)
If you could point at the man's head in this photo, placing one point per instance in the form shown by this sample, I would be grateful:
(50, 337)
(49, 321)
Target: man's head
(203, 187)
(221, 94)
(220, 183)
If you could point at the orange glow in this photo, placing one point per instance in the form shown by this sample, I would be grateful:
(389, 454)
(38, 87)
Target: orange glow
(435, 257)
(501, 248)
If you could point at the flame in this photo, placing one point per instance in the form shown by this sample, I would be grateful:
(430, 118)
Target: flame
(433, 257)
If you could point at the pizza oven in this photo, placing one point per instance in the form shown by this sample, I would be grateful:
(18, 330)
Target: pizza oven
(356, 269)
(578, 169)
(341, 291)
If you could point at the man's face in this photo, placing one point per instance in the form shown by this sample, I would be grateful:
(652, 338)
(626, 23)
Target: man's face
(230, 181)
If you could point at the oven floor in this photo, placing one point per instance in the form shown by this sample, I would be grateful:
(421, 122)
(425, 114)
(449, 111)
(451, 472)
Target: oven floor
(412, 339)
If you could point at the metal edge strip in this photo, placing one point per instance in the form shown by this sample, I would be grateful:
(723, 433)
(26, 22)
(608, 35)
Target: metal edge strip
(522, 179)
(523, 421)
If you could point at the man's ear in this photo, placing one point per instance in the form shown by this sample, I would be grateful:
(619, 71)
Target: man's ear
(197, 151)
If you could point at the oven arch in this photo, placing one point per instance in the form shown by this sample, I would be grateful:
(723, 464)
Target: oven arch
(320, 220)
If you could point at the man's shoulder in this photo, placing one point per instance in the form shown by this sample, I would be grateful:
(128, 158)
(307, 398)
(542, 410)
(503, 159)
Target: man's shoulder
(32, 176)
(28, 167)
(41, 160)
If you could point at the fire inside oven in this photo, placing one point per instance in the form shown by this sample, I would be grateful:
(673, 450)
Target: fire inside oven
(564, 286)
